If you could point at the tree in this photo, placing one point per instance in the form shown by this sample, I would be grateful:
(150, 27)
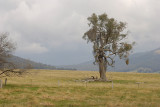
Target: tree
(107, 36)
(6, 48)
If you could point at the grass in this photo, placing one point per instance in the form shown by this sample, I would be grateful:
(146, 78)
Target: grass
(53, 88)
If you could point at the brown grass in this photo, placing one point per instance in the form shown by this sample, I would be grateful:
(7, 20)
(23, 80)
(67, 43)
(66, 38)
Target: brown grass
(52, 88)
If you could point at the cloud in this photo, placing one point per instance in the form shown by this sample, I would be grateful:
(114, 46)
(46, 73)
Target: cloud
(56, 26)
(33, 48)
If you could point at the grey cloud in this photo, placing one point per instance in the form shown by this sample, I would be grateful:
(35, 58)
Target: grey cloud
(51, 28)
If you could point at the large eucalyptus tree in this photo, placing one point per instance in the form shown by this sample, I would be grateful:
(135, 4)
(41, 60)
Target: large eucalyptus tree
(108, 38)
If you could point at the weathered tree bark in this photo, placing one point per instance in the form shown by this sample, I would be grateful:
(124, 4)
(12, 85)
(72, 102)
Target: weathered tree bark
(102, 70)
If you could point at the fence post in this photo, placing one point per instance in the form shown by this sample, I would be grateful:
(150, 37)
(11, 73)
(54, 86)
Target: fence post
(5, 82)
(1, 84)
(58, 83)
(138, 83)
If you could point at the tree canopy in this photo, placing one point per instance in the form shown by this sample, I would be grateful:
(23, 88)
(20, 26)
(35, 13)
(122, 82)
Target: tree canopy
(107, 36)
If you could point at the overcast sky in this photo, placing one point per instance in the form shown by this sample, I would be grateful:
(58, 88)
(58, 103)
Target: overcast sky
(50, 31)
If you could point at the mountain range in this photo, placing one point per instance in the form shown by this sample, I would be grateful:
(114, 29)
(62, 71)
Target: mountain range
(139, 62)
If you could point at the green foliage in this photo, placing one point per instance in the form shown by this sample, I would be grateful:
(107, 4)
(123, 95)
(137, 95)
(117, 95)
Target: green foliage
(107, 36)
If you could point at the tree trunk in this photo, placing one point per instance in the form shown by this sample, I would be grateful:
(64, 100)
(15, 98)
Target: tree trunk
(102, 70)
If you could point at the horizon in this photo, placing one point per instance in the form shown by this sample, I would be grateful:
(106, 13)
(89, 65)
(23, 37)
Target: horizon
(84, 61)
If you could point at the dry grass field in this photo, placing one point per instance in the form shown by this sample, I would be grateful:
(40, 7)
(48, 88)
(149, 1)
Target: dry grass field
(58, 88)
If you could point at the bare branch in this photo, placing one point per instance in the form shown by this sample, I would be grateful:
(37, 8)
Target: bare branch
(6, 48)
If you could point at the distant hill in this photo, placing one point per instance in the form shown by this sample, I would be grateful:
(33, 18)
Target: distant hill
(25, 63)
(139, 62)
